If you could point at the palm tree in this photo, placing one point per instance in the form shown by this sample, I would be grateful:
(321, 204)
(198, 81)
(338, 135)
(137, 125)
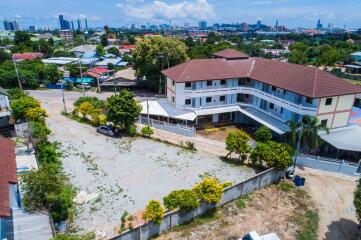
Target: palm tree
(293, 133)
(311, 127)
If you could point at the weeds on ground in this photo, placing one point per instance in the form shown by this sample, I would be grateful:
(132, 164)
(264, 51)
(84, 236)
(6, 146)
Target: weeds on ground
(310, 226)
(210, 216)
(285, 186)
(241, 202)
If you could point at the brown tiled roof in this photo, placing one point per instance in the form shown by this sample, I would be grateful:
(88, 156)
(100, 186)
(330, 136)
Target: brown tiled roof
(7, 174)
(307, 81)
(230, 54)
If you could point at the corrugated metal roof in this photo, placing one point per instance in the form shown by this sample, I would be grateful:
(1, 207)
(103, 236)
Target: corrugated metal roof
(307, 81)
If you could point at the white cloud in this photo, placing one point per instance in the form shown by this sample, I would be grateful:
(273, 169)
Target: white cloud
(198, 9)
(17, 16)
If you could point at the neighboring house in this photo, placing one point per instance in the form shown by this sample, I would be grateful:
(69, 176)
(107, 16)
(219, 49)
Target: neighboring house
(60, 61)
(356, 56)
(66, 35)
(7, 35)
(5, 114)
(85, 51)
(254, 91)
(8, 185)
(98, 73)
(27, 56)
(126, 48)
(115, 61)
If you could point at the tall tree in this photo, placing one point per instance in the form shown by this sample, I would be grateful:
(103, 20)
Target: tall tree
(298, 53)
(237, 142)
(153, 55)
(123, 110)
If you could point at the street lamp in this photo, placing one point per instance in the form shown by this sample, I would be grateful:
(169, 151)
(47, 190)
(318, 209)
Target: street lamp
(81, 76)
(298, 146)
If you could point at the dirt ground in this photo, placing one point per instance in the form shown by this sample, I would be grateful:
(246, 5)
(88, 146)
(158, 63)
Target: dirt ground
(267, 210)
(219, 133)
(333, 196)
(118, 175)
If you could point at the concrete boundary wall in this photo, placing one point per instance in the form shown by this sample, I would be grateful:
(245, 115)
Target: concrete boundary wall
(176, 217)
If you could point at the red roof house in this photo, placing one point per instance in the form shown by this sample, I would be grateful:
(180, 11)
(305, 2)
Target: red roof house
(7, 174)
(97, 72)
(27, 56)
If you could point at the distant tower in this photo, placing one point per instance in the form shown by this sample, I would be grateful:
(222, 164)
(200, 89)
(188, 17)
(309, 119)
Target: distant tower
(86, 24)
(319, 25)
(79, 24)
(72, 25)
(276, 26)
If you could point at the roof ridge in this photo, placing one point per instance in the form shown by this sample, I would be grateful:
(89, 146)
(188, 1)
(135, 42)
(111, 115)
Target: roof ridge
(251, 68)
(187, 66)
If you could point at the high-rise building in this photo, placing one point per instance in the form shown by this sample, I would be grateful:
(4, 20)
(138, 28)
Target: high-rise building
(11, 25)
(276, 26)
(64, 24)
(72, 25)
(319, 25)
(32, 28)
(202, 25)
(86, 24)
(79, 24)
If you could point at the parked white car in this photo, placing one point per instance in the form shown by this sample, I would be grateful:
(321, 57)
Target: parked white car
(255, 236)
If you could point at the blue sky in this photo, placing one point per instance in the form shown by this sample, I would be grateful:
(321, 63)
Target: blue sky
(292, 13)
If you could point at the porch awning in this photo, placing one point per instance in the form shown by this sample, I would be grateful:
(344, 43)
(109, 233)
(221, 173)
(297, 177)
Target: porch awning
(165, 109)
(345, 138)
(263, 118)
(215, 110)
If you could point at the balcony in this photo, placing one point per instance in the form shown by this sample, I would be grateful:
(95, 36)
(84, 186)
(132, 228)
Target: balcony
(297, 108)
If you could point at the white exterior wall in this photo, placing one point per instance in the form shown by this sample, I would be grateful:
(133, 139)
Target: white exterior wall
(340, 119)
(345, 102)
(327, 117)
(323, 108)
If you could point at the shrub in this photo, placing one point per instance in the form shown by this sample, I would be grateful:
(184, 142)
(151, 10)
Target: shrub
(357, 200)
(99, 119)
(147, 131)
(263, 134)
(209, 190)
(36, 114)
(182, 199)
(85, 108)
(132, 130)
(39, 132)
(21, 105)
(237, 142)
(154, 212)
(69, 86)
(227, 184)
(285, 186)
(16, 93)
(48, 154)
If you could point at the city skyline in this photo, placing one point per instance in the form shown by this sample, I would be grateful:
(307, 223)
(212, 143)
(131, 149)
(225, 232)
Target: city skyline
(291, 13)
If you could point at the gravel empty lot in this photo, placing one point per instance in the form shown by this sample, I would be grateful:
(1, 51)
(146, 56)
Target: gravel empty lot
(123, 174)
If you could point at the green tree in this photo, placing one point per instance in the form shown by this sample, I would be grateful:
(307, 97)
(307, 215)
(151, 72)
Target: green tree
(39, 132)
(16, 93)
(357, 200)
(183, 199)
(123, 110)
(263, 134)
(209, 190)
(311, 126)
(48, 154)
(4, 56)
(154, 212)
(114, 51)
(298, 53)
(100, 50)
(152, 55)
(237, 142)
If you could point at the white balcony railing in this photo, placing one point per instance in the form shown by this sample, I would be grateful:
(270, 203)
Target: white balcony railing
(297, 108)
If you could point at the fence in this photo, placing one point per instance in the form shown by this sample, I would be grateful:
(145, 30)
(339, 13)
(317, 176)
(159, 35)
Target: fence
(175, 128)
(347, 76)
(171, 219)
(329, 164)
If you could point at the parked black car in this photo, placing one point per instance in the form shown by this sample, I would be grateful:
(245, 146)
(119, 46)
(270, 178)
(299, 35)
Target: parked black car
(108, 130)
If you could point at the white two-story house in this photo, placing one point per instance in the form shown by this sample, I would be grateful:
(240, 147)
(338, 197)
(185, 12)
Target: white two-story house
(252, 91)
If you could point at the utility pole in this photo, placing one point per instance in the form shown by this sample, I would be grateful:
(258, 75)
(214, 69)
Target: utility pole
(17, 74)
(81, 76)
(98, 85)
(115, 86)
(148, 113)
(62, 93)
(298, 146)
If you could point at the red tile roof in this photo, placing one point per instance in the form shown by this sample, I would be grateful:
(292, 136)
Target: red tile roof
(307, 81)
(127, 46)
(7, 175)
(27, 56)
(97, 72)
(230, 54)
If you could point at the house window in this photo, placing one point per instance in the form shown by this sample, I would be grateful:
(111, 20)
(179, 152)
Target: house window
(187, 102)
(271, 106)
(173, 83)
(328, 101)
(188, 85)
(248, 80)
(172, 99)
(240, 82)
(209, 83)
(324, 122)
(274, 88)
(281, 110)
(223, 82)
(208, 99)
(246, 95)
(284, 92)
(309, 100)
(222, 98)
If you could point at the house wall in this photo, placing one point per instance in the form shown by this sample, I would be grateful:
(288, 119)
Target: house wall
(338, 112)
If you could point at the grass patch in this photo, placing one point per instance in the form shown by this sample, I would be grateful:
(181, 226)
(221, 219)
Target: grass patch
(210, 216)
(285, 186)
(241, 202)
(310, 226)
